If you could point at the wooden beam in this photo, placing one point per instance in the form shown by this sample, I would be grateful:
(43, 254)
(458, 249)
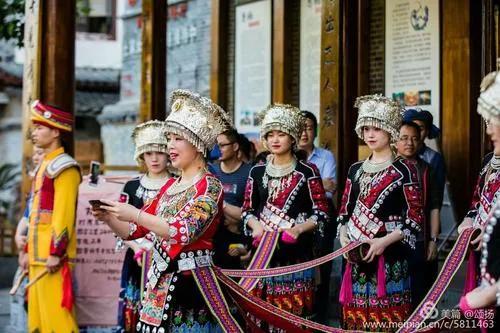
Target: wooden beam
(31, 85)
(218, 68)
(153, 68)
(461, 70)
(281, 51)
(330, 76)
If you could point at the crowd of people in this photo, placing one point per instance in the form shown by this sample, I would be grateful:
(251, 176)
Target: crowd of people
(208, 199)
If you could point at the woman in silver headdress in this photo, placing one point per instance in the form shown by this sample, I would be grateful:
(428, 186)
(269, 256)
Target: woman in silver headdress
(151, 154)
(183, 218)
(485, 212)
(284, 205)
(382, 205)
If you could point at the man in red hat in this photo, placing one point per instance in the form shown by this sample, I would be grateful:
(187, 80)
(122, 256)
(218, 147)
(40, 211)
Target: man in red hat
(51, 235)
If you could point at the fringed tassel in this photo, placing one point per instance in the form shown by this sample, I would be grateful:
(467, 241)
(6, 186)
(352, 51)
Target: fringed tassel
(381, 290)
(67, 298)
(345, 296)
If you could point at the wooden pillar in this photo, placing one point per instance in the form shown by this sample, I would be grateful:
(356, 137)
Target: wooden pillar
(330, 76)
(57, 77)
(49, 71)
(31, 84)
(461, 74)
(153, 67)
(489, 55)
(281, 51)
(355, 61)
(218, 68)
(344, 68)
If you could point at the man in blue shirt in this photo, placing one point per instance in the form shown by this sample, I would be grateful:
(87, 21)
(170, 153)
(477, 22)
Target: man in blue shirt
(322, 158)
(435, 159)
(231, 246)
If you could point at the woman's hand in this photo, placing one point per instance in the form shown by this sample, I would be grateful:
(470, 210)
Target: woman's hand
(343, 237)
(466, 223)
(481, 297)
(257, 231)
(478, 241)
(102, 215)
(294, 232)
(122, 211)
(377, 247)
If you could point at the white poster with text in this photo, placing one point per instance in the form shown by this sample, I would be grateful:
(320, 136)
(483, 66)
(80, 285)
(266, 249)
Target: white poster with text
(412, 54)
(252, 85)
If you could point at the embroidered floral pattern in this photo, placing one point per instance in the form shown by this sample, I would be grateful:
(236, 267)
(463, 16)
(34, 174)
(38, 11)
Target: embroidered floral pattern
(59, 244)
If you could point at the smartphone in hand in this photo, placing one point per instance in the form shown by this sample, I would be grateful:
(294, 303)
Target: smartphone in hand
(96, 204)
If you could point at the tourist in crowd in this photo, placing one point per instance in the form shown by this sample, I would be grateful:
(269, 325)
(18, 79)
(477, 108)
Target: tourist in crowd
(424, 265)
(231, 245)
(435, 159)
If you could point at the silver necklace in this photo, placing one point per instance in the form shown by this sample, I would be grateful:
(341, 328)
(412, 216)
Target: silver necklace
(371, 167)
(280, 177)
(149, 187)
(372, 174)
(280, 171)
(495, 162)
(178, 187)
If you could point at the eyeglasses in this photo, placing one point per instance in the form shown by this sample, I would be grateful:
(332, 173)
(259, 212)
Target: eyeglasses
(225, 144)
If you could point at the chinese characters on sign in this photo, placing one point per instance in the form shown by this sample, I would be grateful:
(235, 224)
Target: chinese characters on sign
(98, 267)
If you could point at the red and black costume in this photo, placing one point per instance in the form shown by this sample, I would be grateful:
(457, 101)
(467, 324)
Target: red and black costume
(373, 205)
(301, 198)
(172, 300)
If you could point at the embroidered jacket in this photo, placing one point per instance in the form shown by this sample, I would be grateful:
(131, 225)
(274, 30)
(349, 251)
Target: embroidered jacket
(300, 197)
(393, 199)
(192, 216)
(53, 208)
(485, 193)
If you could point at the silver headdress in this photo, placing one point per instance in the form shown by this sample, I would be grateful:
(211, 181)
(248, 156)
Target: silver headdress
(381, 112)
(282, 117)
(488, 103)
(196, 118)
(149, 136)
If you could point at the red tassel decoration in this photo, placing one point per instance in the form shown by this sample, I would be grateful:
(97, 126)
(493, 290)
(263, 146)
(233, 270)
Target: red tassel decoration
(67, 298)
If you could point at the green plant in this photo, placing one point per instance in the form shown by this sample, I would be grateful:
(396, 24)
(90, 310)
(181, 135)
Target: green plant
(12, 18)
